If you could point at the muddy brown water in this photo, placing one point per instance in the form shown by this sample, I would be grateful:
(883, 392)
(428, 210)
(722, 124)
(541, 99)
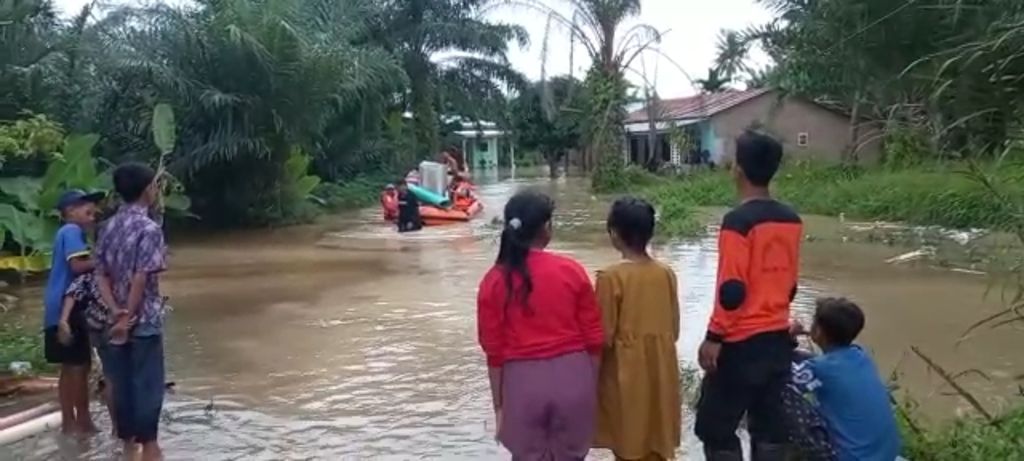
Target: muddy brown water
(345, 340)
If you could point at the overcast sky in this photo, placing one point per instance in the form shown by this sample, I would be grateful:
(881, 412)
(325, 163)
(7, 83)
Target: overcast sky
(692, 26)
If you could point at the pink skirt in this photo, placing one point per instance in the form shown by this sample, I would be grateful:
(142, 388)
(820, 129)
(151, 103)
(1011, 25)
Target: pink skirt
(549, 408)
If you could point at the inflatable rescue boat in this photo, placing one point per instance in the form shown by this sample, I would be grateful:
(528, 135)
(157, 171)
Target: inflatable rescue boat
(436, 209)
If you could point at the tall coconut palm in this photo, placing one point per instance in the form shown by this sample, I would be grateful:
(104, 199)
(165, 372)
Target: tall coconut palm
(600, 27)
(714, 82)
(732, 49)
(454, 59)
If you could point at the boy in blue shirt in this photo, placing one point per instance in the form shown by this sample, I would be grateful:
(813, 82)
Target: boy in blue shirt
(67, 342)
(845, 385)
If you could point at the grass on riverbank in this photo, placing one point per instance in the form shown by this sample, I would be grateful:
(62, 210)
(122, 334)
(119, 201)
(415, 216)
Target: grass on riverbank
(21, 341)
(355, 193)
(967, 439)
(943, 195)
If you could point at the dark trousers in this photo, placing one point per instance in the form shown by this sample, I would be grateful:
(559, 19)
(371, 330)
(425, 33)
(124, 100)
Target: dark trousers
(136, 370)
(749, 381)
(409, 220)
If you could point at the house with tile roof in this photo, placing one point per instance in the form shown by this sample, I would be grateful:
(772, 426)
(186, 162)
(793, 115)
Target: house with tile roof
(701, 128)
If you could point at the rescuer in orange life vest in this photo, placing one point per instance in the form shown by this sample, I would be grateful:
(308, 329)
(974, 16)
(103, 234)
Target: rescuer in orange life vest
(389, 202)
(747, 350)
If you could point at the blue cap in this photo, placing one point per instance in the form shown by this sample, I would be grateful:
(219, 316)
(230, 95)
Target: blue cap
(76, 196)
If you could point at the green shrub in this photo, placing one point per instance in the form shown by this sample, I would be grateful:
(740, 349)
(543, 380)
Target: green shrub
(938, 195)
(676, 215)
(968, 439)
(21, 340)
(355, 193)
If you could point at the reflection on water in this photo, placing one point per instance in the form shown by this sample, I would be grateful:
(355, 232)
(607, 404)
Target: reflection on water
(347, 340)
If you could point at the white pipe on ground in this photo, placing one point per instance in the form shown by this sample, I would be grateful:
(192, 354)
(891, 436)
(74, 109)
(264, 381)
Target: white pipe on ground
(29, 428)
(31, 413)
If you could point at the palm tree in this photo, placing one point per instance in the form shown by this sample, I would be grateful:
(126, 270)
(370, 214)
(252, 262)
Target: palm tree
(732, 50)
(715, 82)
(250, 81)
(455, 61)
(28, 36)
(599, 27)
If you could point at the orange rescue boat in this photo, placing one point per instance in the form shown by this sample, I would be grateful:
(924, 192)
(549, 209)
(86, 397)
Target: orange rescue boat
(464, 209)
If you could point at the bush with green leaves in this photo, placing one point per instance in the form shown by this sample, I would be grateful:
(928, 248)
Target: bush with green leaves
(28, 205)
(31, 137)
(938, 194)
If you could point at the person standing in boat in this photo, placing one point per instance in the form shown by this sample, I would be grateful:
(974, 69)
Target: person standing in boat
(456, 163)
(539, 326)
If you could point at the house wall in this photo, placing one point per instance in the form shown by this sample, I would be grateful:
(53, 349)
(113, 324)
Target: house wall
(483, 152)
(828, 132)
(709, 140)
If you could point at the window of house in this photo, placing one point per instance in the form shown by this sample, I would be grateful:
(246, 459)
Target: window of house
(801, 139)
(482, 146)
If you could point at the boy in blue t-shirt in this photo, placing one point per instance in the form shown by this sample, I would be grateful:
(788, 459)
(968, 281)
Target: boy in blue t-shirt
(846, 387)
(65, 341)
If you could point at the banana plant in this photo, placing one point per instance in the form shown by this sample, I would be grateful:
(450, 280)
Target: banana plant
(298, 181)
(28, 214)
(173, 198)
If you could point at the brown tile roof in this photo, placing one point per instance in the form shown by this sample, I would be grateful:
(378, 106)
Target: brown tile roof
(699, 106)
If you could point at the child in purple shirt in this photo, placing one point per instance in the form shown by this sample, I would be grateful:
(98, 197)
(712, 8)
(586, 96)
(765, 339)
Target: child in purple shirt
(130, 255)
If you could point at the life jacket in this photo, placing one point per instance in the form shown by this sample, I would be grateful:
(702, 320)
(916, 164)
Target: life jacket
(462, 194)
(389, 203)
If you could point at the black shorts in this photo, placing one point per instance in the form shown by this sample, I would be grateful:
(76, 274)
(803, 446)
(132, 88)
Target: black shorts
(79, 352)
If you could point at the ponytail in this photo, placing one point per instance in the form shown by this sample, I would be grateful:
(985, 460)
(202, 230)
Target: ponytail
(526, 213)
(512, 256)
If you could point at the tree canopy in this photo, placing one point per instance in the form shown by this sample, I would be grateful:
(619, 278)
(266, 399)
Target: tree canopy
(255, 83)
(547, 117)
(947, 72)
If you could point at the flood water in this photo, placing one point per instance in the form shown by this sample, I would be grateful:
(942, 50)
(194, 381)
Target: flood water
(345, 340)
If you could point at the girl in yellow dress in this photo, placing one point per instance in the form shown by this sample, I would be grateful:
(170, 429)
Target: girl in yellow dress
(639, 396)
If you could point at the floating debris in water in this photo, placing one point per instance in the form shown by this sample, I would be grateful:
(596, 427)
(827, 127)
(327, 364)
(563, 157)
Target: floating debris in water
(967, 271)
(20, 368)
(925, 252)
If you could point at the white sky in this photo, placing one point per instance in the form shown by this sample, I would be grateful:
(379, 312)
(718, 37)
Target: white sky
(692, 26)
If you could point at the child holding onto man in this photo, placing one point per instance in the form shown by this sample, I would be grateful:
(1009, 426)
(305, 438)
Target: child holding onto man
(74, 354)
(845, 386)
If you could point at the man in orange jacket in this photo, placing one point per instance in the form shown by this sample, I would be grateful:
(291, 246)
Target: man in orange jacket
(746, 352)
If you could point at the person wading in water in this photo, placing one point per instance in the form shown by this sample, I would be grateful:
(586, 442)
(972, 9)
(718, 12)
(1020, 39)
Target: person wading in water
(540, 327)
(747, 350)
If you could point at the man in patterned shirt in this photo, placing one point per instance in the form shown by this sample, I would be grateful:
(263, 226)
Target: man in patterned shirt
(130, 255)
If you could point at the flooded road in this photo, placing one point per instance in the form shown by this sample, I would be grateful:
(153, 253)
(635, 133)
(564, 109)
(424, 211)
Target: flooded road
(345, 340)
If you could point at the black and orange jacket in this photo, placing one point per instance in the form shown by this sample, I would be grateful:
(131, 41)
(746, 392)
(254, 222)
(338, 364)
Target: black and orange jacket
(758, 263)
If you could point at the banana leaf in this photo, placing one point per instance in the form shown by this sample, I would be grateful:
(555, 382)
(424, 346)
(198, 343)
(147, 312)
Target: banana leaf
(163, 129)
(23, 191)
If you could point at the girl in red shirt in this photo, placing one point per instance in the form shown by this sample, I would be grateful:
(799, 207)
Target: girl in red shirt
(540, 327)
